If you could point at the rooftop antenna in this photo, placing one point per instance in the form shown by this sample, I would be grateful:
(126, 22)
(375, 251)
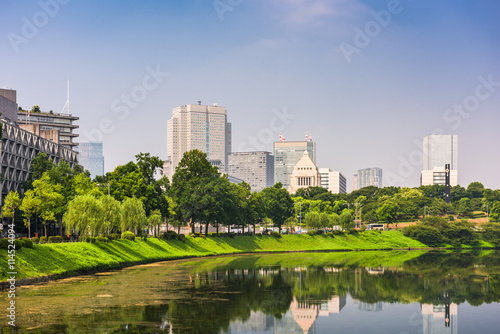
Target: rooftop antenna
(66, 106)
(199, 103)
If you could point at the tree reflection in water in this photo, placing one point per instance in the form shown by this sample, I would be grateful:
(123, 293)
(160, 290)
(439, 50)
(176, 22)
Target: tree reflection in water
(238, 294)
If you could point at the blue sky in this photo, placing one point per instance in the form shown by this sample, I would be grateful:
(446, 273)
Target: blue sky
(263, 58)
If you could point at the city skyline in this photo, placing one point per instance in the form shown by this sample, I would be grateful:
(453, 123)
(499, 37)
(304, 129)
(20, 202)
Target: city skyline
(367, 79)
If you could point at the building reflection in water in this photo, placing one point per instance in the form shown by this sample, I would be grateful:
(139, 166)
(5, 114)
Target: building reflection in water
(440, 319)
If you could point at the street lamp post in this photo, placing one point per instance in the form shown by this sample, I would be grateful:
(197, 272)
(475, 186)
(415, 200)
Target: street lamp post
(487, 213)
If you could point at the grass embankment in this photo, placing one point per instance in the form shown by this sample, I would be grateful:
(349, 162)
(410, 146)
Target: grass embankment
(67, 259)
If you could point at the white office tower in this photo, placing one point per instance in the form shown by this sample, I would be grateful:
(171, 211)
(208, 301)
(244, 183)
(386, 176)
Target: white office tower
(196, 126)
(438, 151)
(334, 181)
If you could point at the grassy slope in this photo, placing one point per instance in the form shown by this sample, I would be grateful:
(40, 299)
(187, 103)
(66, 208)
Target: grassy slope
(70, 258)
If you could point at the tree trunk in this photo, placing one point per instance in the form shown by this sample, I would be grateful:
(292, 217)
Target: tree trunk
(29, 228)
(206, 230)
(166, 220)
(179, 229)
(192, 225)
(217, 229)
(45, 225)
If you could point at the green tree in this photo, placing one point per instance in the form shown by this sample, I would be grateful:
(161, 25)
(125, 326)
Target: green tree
(312, 220)
(35, 109)
(154, 222)
(50, 198)
(495, 212)
(323, 220)
(388, 213)
(310, 192)
(334, 220)
(278, 204)
(475, 190)
(346, 220)
(29, 207)
(84, 214)
(133, 215)
(39, 165)
(83, 185)
(464, 207)
(11, 203)
(192, 174)
(111, 214)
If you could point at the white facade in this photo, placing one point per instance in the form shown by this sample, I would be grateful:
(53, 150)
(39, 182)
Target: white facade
(369, 177)
(437, 176)
(334, 181)
(305, 174)
(196, 126)
(438, 151)
(255, 168)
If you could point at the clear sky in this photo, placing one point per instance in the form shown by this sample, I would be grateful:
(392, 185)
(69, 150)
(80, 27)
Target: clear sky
(368, 79)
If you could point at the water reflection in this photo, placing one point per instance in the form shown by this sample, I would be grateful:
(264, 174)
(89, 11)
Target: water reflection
(290, 293)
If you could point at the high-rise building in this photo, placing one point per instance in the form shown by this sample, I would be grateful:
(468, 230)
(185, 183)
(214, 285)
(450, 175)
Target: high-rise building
(370, 177)
(355, 182)
(91, 157)
(255, 168)
(286, 156)
(335, 182)
(47, 123)
(196, 126)
(438, 151)
(305, 174)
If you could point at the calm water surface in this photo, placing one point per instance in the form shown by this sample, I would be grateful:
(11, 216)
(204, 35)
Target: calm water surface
(353, 292)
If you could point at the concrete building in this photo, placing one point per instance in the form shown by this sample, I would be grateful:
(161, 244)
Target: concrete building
(286, 156)
(439, 150)
(355, 182)
(255, 168)
(19, 146)
(370, 177)
(91, 157)
(8, 105)
(334, 305)
(305, 174)
(196, 126)
(335, 182)
(438, 176)
(48, 122)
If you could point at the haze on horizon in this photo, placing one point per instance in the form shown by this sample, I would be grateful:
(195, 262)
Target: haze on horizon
(367, 79)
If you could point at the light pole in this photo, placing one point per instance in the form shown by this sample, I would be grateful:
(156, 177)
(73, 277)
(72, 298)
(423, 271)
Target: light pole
(487, 213)
(425, 208)
(300, 216)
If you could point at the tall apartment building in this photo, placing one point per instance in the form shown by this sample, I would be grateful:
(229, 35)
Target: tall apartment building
(196, 126)
(355, 182)
(49, 122)
(334, 181)
(438, 151)
(370, 177)
(91, 157)
(255, 168)
(286, 156)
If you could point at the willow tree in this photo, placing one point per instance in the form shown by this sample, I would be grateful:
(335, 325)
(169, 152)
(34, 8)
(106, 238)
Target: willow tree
(84, 214)
(133, 215)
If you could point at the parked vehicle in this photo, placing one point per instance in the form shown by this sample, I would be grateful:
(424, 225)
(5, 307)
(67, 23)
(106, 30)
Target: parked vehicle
(374, 227)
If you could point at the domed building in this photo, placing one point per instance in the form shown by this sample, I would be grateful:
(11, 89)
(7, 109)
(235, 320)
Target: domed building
(305, 174)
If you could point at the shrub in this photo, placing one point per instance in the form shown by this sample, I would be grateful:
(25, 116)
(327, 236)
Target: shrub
(337, 232)
(311, 232)
(353, 232)
(114, 236)
(86, 238)
(43, 240)
(181, 237)
(258, 234)
(362, 229)
(169, 235)
(35, 239)
(429, 235)
(128, 235)
(276, 234)
(330, 234)
(19, 243)
(101, 239)
(28, 243)
(55, 239)
(4, 243)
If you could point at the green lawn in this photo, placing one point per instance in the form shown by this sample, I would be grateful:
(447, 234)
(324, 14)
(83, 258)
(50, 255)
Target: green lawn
(73, 258)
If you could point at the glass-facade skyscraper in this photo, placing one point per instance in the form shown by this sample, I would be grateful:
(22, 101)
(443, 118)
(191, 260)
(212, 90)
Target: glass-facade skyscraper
(286, 156)
(91, 157)
(438, 151)
(369, 177)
